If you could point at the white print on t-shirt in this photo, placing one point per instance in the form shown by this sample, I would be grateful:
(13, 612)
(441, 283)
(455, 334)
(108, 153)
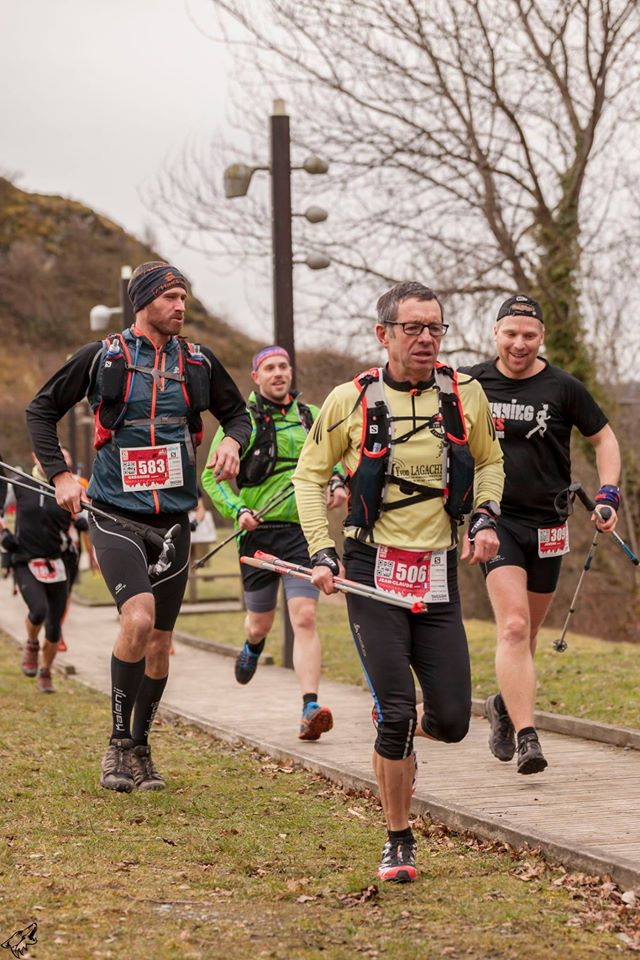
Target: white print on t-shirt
(541, 420)
(512, 411)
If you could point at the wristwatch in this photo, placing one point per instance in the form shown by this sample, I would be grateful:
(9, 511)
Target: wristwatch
(491, 506)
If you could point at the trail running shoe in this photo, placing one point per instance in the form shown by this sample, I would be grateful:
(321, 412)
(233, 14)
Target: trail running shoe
(246, 663)
(502, 738)
(145, 774)
(375, 721)
(398, 861)
(116, 767)
(315, 721)
(530, 756)
(43, 683)
(30, 658)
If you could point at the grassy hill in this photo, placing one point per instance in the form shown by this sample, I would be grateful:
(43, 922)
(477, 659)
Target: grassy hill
(58, 258)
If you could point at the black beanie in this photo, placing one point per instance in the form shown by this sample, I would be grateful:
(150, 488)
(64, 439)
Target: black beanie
(152, 279)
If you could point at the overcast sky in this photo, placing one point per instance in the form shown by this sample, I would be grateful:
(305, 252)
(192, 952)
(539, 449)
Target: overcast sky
(97, 95)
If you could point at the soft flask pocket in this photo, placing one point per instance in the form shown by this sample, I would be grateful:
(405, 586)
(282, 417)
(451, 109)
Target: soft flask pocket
(114, 372)
(367, 489)
(198, 385)
(460, 473)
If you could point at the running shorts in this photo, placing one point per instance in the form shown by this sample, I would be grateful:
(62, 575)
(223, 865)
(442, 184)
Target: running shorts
(124, 559)
(285, 541)
(519, 548)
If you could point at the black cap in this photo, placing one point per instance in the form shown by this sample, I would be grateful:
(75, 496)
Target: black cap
(520, 306)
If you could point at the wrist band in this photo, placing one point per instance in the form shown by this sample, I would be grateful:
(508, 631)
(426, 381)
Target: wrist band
(327, 558)
(478, 522)
(608, 494)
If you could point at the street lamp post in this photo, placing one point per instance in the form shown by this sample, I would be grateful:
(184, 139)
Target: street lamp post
(237, 178)
(282, 254)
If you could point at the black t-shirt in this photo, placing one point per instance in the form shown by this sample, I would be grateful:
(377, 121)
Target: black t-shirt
(533, 419)
(41, 526)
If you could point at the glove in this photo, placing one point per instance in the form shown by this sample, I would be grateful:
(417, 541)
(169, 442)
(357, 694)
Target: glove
(327, 557)
(8, 541)
(81, 523)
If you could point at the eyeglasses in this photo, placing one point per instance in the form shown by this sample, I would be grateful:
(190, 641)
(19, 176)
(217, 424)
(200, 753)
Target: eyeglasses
(414, 329)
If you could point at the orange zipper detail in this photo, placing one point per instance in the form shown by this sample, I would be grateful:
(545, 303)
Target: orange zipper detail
(152, 429)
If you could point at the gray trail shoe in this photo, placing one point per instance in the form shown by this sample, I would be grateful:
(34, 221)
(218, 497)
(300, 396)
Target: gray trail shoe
(29, 663)
(530, 756)
(145, 775)
(502, 739)
(116, 767)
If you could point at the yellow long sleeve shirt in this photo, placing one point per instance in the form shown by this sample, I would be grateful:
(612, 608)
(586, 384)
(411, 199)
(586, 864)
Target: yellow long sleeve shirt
(421, 526)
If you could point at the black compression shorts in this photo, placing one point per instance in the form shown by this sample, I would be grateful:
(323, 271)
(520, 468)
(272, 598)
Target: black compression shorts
(46, 601)
(519, 548)
(124, 559)
(391, 642)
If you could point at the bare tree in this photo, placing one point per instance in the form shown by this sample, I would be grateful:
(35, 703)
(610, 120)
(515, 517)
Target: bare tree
(472, 142)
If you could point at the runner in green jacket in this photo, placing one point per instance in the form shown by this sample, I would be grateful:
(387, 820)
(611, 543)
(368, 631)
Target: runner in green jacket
(280, 423)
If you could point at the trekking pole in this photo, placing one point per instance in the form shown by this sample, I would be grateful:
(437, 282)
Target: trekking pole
(275, 501)
(590, 505)
(267, 561)
(560, 645)
(160, 539)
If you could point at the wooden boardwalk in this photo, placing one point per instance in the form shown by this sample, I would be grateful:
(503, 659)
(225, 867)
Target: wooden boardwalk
(582, 811)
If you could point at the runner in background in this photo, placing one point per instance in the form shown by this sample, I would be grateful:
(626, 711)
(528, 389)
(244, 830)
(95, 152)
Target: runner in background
(43, 559)
(280, 422)
(535, 407)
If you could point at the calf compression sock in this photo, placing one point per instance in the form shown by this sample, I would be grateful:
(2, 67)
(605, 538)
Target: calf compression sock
(125, 682)
(147, 702)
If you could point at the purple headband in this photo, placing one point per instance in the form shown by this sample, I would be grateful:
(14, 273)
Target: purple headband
(272, 351)
(154, 278)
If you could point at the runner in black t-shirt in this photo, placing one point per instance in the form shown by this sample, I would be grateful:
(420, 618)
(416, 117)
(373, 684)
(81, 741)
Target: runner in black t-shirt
(43, 558)
(535, 406)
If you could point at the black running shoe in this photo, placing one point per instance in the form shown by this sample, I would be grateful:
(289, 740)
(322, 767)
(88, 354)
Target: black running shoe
(246, 663)
(398, 861)
(145, 774)
(116, 767)
(530, 756)
(502, 739)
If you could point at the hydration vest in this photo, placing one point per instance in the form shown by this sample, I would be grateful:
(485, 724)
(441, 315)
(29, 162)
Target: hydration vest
(369, 482)
(116, 382)
(262, 460)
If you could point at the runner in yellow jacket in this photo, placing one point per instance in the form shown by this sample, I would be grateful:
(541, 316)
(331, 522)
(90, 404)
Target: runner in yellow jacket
(416, 467)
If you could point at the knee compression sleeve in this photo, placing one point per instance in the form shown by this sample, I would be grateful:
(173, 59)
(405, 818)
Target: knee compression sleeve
(395, 738)
(451, 726)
